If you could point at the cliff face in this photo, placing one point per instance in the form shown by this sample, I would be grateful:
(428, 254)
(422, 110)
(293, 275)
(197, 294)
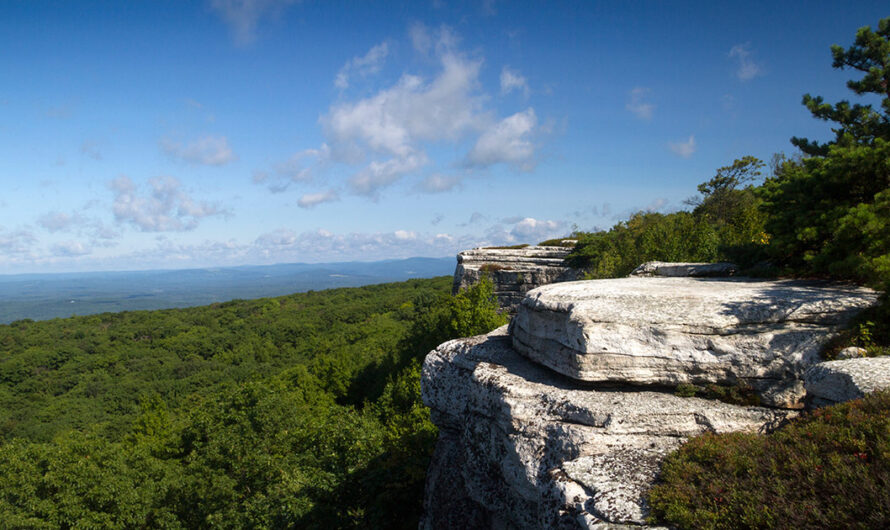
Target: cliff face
(514, 271)
(562, 421)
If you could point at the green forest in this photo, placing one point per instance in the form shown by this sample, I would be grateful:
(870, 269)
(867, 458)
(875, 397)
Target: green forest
(298, 411)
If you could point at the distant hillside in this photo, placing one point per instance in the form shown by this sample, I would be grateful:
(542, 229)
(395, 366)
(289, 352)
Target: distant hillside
(45, 296)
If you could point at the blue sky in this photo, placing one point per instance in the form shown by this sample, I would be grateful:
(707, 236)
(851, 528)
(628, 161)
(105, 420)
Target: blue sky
(140, 135)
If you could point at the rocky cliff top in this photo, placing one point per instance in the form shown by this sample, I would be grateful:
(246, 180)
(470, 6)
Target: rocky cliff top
(562, 420)
(513, 271)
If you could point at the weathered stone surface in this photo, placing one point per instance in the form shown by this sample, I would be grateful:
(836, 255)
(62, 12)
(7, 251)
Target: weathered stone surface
(523, 447)
(667, 331)
(838, 381)
(676, 269)
(852, 352)
(514, 271)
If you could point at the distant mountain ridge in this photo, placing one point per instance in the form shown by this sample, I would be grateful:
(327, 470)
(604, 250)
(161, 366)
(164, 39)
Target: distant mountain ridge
(45, 296)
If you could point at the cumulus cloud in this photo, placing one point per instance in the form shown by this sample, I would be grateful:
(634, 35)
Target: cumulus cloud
(297, 168)
(512, 80)
(70, 249)
(532, 229)
(394, 120)
(208, 150)
(59, 221)
(438, 183)
(387, 136)
(378, 175)
(523, 230)
(368, 64)
(243, 16)
(638, 105)
(75, 222)
(508, 142)
(747, 68)
(166, 208)
(16, 242)
(285, 244)
(684, 149)
(311, 200)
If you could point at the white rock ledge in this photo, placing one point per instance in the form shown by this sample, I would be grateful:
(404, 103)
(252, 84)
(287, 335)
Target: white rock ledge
(667, 331)
(523, 447)
(838, 381)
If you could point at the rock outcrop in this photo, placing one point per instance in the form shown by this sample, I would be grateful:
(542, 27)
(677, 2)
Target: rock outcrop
(514, 271)
(696, 270)
(521, 446)
(667, 331)
(563, 420)
(838, 381)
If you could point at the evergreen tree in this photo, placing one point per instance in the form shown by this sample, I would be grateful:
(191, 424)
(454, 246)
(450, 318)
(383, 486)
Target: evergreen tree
(857, 123)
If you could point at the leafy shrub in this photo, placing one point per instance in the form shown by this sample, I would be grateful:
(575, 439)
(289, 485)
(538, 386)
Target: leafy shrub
(645, 237)
(826, 469)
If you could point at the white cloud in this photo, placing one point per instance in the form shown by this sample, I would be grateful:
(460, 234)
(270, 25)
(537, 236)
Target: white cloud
(511, 80)
(684, 149)
(638, 105)
(438, 183)
(394, 120)
(747, 69)
(533, 229)
(165, 209)
(59, 221)
(243, 16)
(369, 64)
(16, 242)
(56, 221)
(378, 175)
(207, 150)
(387, 135)
(297, 168)
(70, 249)
(321, 245)
(310, 200)
(507, 142)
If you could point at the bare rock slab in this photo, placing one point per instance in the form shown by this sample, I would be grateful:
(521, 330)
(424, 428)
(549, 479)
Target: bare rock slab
(523, 447)
(838, 381)
(677, 269)
(667, 331)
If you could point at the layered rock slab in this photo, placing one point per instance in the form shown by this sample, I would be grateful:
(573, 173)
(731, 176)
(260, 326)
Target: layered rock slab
(513, 271)
(834, 382)
(668, 331)
(523, 447)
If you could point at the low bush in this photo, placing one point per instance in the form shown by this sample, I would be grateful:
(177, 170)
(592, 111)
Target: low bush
(826, 469)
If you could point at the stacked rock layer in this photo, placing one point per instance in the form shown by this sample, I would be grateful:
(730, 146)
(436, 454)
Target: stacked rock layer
(563, 421)
(513, 271)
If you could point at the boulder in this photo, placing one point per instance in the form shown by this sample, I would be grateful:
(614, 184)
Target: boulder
(838, 381)
(852, 352)
(513, 271)
(676, 269)
(668, 331)
(521, 446)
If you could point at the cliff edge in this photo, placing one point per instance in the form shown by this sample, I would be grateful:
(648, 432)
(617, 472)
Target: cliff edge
(513, 271)
(562, 420)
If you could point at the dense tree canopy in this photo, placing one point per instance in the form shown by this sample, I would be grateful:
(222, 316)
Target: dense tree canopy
(294, 412)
